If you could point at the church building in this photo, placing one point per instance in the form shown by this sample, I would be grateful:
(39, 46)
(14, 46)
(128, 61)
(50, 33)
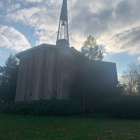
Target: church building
(47, 71)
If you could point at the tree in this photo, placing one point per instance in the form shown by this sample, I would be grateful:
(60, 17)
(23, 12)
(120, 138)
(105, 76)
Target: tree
(91, 50)
(131, 79)
(8, 79)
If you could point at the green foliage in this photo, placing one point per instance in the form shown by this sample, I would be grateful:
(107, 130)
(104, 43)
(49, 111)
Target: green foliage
(3, 107)
(125, 107)
(91, 50)
(42, 107)
(8, 79)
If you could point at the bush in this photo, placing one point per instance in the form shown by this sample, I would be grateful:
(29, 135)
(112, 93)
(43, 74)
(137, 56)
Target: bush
(126, 107)
(41, 107)
(2, 107)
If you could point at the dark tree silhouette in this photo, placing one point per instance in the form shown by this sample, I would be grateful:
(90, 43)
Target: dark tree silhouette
(8, 79)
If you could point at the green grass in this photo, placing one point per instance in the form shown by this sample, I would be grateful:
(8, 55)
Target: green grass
(86, 127)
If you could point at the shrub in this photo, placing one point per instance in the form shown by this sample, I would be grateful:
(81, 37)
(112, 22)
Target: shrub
(125, 107)
(41, 107)
(2, 107)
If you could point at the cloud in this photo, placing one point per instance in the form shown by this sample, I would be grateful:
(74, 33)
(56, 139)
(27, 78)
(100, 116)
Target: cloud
(139, 59)
(13, 39)
(43, 20)
(9, 7)
(104, 21)
(128, 41)
(43, 38)
(114, 24)
(1, 4)
(23, 15)
(14, 7)
(33, 1)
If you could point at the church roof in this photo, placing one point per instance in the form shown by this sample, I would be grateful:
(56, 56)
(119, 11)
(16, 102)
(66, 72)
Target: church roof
(50, 46)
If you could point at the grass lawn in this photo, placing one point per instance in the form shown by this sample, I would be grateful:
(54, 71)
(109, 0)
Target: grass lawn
(86, 127)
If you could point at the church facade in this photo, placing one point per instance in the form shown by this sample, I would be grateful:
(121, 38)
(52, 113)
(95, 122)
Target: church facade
(47, 71)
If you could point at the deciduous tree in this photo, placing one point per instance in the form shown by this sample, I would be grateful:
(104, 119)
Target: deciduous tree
(131, 79)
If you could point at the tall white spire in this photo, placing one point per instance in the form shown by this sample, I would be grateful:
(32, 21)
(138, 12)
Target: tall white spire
(63, 34)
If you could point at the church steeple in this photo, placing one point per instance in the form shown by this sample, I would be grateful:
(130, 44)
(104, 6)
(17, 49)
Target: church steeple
(63, 34)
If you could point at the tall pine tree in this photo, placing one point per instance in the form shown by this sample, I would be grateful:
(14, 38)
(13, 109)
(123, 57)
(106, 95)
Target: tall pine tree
(8, 79)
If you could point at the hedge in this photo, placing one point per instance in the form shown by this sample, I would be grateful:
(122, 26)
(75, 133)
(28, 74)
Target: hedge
(41, 107)
(126, 107)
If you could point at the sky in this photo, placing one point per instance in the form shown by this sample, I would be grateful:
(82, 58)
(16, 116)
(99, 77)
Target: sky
(115, 24)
